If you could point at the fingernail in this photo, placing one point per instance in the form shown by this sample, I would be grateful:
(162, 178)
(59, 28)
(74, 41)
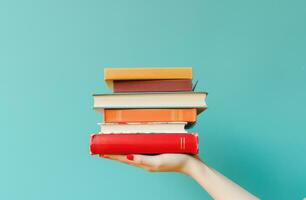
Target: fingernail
(130, 157)
(104, 156)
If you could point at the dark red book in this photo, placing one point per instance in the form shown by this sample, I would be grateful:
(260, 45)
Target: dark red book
(152, 85)
(144, 143)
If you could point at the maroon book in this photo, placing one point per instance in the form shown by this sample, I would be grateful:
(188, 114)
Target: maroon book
(152, 85)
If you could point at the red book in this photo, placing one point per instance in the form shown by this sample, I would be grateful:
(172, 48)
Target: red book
(152, 85)
(144, 143)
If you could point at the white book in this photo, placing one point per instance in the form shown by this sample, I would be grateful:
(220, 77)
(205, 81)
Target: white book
(152, 127)
(151, 100)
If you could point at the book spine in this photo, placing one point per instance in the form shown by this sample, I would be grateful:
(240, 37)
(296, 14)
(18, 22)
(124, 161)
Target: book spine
(144, 143)
(149, 115)
(152, 85)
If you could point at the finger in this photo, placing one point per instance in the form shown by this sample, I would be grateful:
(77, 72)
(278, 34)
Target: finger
(122, 159)
(147, 161)
(113, 157)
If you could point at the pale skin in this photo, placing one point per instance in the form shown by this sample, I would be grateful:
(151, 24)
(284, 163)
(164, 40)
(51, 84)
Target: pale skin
(218, 186)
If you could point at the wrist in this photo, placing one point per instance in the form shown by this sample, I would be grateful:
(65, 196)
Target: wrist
(191, 166)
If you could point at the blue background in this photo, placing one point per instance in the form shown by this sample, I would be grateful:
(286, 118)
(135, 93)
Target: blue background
(249, 55)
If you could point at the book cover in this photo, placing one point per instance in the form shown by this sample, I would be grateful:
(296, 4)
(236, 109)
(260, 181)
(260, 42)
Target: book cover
(151, 100)
(144, 143)
(111, 74)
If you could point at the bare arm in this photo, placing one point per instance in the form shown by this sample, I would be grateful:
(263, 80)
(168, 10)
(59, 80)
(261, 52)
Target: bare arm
(217, 185)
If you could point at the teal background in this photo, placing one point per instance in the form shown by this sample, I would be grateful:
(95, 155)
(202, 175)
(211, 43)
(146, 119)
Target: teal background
(249, 55)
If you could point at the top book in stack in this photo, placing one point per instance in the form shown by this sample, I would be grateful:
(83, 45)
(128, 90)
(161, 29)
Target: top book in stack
(149, 79)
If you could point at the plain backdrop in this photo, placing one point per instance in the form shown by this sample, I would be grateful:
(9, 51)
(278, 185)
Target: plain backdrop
(249, 55)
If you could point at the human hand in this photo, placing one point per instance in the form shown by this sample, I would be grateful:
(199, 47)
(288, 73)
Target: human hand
(157, 163)
(216, 184)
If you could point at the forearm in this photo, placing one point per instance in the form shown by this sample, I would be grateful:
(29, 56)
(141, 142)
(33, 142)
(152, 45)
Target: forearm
(217, 185)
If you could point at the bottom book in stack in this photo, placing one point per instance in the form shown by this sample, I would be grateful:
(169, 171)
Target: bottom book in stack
(144, 138)
(147, 143)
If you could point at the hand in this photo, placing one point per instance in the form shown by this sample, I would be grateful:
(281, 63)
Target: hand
(217, 185)
(157, 163)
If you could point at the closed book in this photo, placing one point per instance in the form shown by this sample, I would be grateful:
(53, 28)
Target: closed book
(144, 143)
(151, 100)
(111, 74)
(149, 115)
(149, 127)
(152, 85)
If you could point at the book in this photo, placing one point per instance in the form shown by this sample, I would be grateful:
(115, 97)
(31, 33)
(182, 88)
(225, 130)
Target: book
(175, 85)
(151, 100)
(144, 143)
(151, 127)
(149, 115)
(111, 74)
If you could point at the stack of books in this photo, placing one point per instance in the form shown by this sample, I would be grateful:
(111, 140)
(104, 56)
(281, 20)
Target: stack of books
(148, 112)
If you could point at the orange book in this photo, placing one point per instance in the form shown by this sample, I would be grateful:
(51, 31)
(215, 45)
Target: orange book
(150, 115)
(111, 74)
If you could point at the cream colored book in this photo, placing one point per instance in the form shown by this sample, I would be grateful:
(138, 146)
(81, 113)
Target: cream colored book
(151, 100)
